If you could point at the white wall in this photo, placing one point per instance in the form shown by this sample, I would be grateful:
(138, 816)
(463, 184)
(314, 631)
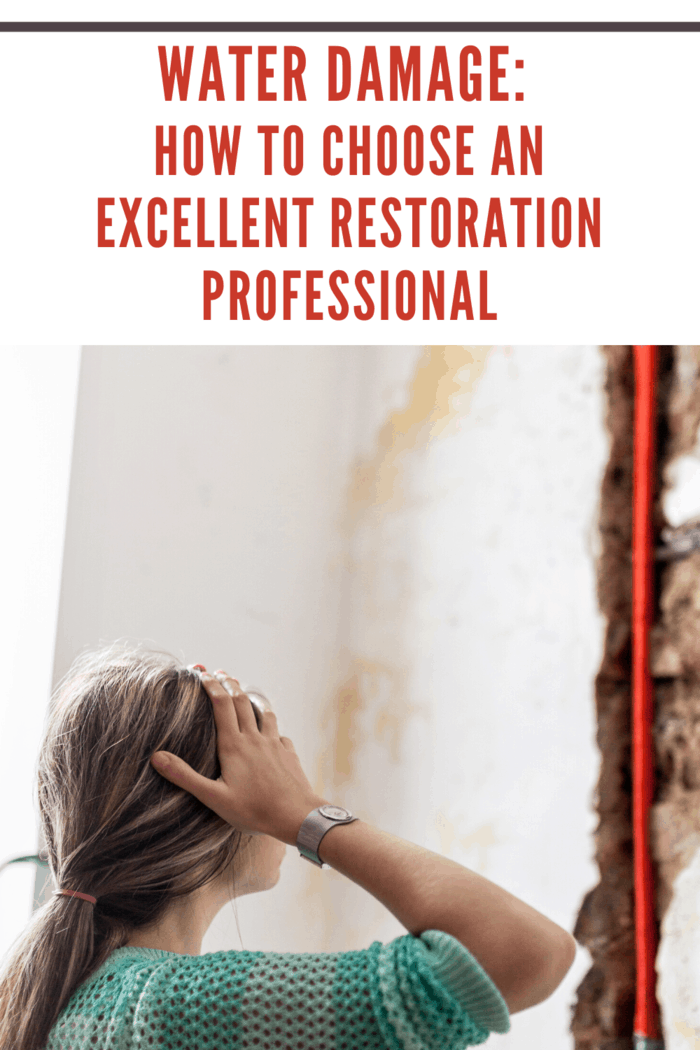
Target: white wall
(207, 489)
(473, 632)
(39, 387)
(396, 544)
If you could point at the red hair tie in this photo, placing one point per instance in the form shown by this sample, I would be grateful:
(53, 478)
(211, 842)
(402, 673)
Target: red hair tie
(76, 893)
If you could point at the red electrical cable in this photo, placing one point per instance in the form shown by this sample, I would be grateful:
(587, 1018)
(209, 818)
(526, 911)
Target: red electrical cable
(647, 1032)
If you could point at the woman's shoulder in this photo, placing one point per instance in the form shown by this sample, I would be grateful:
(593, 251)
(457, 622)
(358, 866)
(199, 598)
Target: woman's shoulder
(120, 1001)
(383, 971)
(426, 992)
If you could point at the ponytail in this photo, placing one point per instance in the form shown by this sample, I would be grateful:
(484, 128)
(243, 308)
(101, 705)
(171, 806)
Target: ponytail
(51, 957)
(113, 827)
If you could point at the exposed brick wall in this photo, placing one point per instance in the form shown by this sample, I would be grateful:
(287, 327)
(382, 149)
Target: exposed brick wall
(675, 659)
(603, 1015)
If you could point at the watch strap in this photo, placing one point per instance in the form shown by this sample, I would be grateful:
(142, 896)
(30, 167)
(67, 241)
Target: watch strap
(314, 828)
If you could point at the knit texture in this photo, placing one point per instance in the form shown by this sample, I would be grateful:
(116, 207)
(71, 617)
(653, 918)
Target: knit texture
(415, 993)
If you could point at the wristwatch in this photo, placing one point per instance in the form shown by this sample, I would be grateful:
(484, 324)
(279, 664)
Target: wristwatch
(318, 822)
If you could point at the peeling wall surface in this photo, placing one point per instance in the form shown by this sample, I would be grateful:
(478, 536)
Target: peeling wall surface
(676, 669)
(398, 545)
(605, 1003)
(605, 1000)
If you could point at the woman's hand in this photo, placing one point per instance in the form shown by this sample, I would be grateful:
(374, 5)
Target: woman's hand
(262, 789)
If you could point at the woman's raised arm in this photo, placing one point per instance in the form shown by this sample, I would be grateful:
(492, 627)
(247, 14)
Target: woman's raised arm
(263, 790)
(525, 954)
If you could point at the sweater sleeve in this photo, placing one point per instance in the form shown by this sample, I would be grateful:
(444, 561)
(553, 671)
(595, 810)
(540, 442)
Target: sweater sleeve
(414, 993)
(430, 993)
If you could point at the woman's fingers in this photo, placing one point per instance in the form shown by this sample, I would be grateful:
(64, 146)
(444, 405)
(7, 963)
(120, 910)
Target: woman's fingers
(225, 715)
(257, 782)
(269, 724)
(242, 705)
(178, 772)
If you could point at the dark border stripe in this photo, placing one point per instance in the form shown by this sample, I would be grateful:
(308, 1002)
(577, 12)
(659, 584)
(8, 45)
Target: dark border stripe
(349, 27)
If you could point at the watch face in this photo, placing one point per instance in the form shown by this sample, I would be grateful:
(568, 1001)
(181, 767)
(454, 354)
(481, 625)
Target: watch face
(334, 812)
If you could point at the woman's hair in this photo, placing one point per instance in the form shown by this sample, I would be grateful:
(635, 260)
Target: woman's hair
(113, 827)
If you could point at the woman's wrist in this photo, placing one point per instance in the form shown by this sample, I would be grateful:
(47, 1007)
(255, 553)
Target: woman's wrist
(288, 830)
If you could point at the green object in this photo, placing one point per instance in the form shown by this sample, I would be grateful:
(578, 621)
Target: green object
(427, 993)
(645, 1042)
(35, 858)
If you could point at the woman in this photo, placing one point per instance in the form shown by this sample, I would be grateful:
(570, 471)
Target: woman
(144, 853)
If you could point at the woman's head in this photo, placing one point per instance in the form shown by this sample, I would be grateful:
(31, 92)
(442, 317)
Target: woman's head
(113, 827)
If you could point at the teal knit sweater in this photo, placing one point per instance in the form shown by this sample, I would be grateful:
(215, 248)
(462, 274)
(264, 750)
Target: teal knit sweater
(415, 993)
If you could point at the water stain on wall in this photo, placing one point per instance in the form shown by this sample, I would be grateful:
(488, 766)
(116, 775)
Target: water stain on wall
(439, 394)
(370, 700)
(348, 704)
(691, 1034)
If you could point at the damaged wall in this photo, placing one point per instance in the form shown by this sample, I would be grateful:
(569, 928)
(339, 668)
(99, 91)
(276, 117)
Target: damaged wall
(604, 1012)
(676, 667)
(473, 635)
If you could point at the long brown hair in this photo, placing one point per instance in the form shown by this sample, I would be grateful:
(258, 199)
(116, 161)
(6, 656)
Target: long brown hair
(113, 827)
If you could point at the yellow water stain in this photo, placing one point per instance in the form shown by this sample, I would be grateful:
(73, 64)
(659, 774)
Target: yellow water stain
(339, 720)
(439, 394)
(367, 686)
(335, 767)
(348, 704)
(689, 1033)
